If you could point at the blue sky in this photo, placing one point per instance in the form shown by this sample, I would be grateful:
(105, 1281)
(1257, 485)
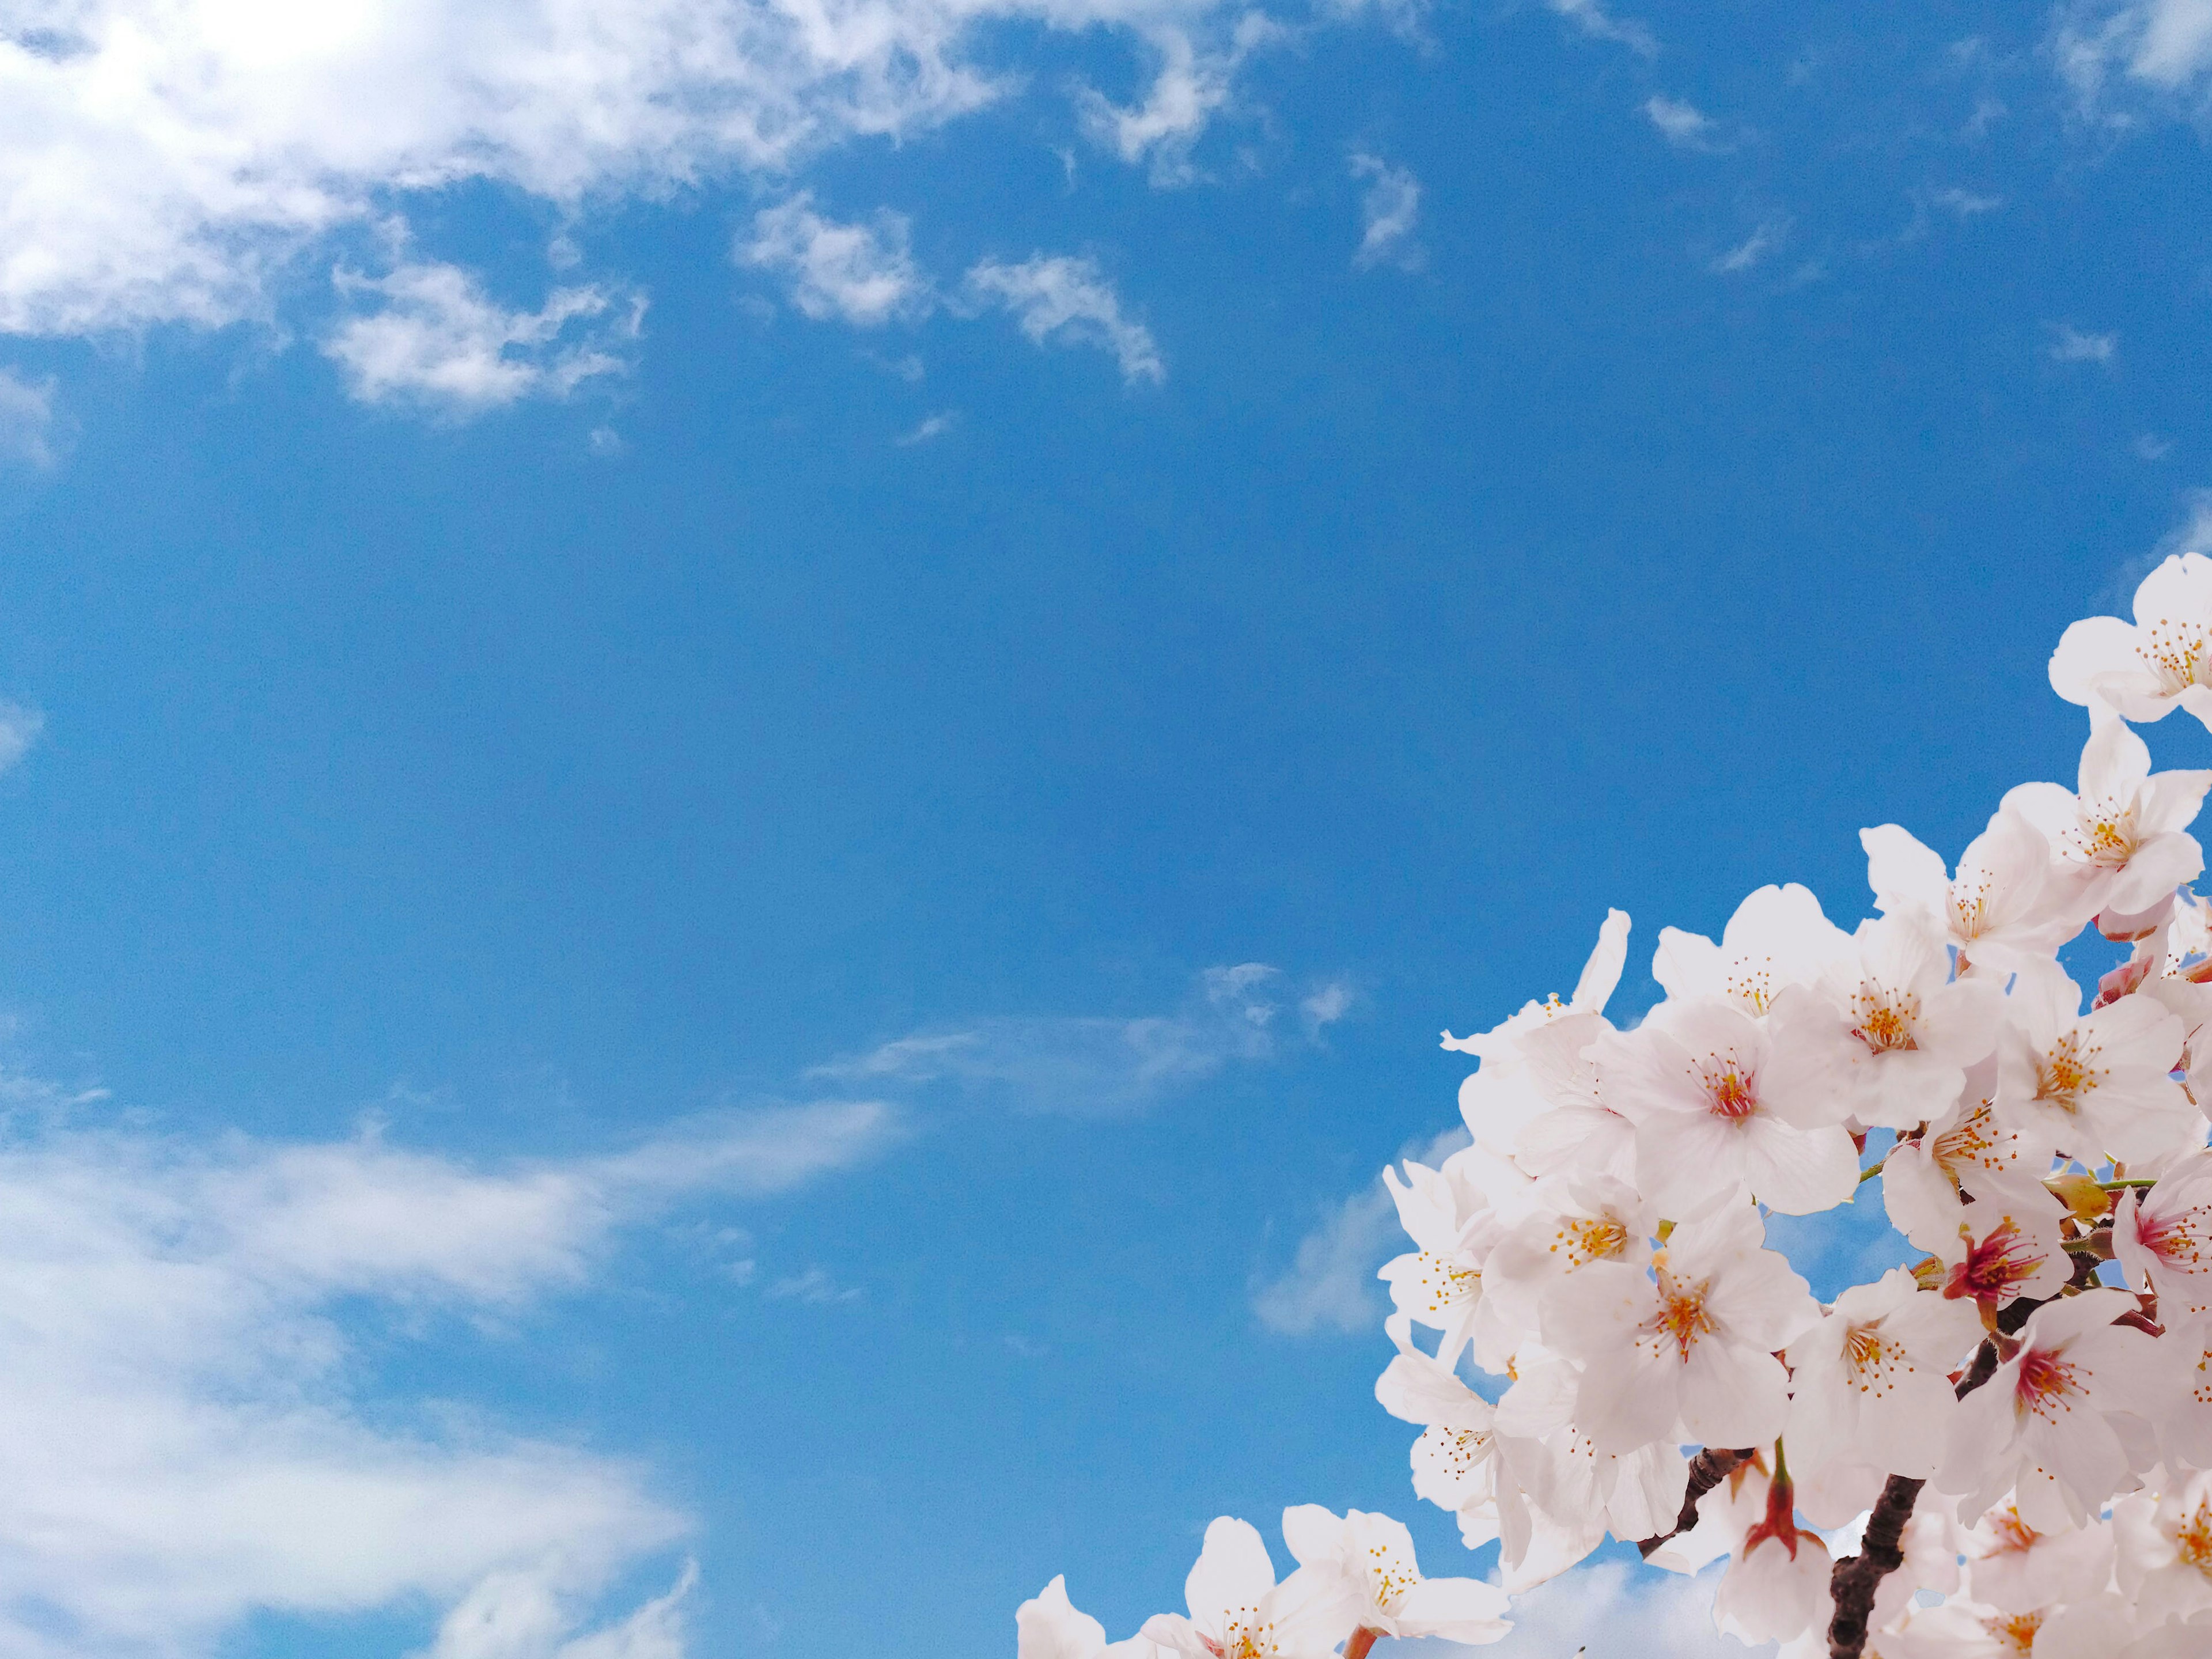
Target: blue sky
(758, 745)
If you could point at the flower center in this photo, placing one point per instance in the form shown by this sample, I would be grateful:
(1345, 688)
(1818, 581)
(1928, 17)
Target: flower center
(1996, 1268)
(2016, 1630)
(1886, 1022)
(2047, 1385)
(2014, 1535)
(1970, 1143)
(2066, 1074)
(1681, 1318)
(1731, 1092)
(1872, 1357)
(2192, 1540)
(2171, 651)
(1390, 1574)
(1591, 1239)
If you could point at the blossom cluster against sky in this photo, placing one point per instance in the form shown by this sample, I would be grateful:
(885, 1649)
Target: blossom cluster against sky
(750, 746)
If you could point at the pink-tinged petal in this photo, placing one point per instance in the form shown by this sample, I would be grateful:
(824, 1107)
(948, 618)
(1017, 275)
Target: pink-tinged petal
(1313, 1534)
(1049, 1628)
(2179, 590)
(1601, 973)
(1733, 1396)
(1233, 1570)
(1631, 1398)
(2153, 871)
(1904, 874)
(1174, 1632)
(2172, 800)
(2052, 808)
(2115, 763)
(1799, 1171)
(2088, 651)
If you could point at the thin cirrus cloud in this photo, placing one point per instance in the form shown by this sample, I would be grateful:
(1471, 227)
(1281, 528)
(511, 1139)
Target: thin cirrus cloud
(1100, 1065)
(178, 1429)
(1056, 299)
(1389, 210)
(216, 152)
(1684, 125)
(1594, 21)
(2160, 47)
(27, 419)
(2069, 344)
(1330, 1286)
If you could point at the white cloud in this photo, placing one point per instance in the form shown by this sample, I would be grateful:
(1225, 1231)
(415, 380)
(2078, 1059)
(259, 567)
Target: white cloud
(1330, 1283)
(1390, 210)
(931, 426)
(1964, 203)
(815, 1287)
(1190, 87)
(1325, 1005)
(1683, 126)
(1604, 1609)
(437, 340)
(2163, 46)
(2069, 344)
(27, 419)
(1061, 297)
(180, 1438)
(2150, 447)
(1091, 1064)
(1594, 21)
(19, 729)
(1754, 248)
(171, 161)
(861, 273)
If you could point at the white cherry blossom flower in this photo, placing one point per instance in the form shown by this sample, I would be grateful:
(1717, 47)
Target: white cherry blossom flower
(1578, 1220)
(1993, 911)
(1968, 1148)
(1439, 1285)
(1577, 1131)
(1454, 1461)
(1371, 1557)
(2041, 1425)
(1884, 1036)
(1872, 1380)
(2007, 1245)
(1048, 1627)
(1778, 937)
(1694, 1087)
(2124, 831)
(2012, 1566)
(2144, 670)
(1689, 1346)
(2162, 1238)
(1511, 1086)
(1237, 1610)
(2097, 1087)
(1776, 1589)
(2165, 1549)
(1959, 1629)
(2178, 1396)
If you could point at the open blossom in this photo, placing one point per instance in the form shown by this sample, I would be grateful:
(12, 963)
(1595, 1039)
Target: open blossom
(2043, 1424)
(1872, 1380)
(1884, 1035)
(1778, 937)
(1967, 1150)
(1048, 1627)
(1237, 1610)
(1689, 1346)
(1371, 1558)
(1440, 1284)
(1519, 1074)
(1576, 1221)
(2164, 1548)
(1995, 911)
(2007, 1245)
(1455, 1461)
(2145, 670)
(2124, 832)
(1693, 1082)
(2163, 1238)
(2099, 1085)
(2009, 1565)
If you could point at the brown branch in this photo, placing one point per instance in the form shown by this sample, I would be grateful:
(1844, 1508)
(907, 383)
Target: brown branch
(1707, 1470)
(1881, 1551)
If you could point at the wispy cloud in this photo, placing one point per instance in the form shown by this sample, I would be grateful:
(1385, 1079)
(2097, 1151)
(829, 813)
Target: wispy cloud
(179, 1429)
(814, 1287)
(1965, 203)
(1098, 1064)
(1683, 124)
(2069, 344)
(930, 425)
(1752, 249)
(1188, 88)
(1594, 21)
(434, 339)
(27, 419)
(860, 273)
(1330, 1285)
(1614, 1608)
(1389, 210)
(19, 729)
(1057, 297)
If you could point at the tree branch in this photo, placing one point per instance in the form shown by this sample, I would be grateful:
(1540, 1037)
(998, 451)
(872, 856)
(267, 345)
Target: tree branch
(1856, 1577)
(1707, 1470)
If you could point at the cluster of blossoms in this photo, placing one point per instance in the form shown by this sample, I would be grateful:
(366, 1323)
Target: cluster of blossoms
(2003, 1448)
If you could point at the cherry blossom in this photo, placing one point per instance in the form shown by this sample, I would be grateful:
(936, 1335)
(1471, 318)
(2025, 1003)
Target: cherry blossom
(1778, 937)
(1237, 1610)
(1693, 1082)
(2007, 1245)
(1688, 1346)
(2165, 1549)
(1440, 1285)
(1871, 1381)
(2097, 1087)
(2143, 672)
(1049, 1628)
(1968, 1149)
(2124, 831)
(1371, 1558)
(2009, 1565)
(1993, 912)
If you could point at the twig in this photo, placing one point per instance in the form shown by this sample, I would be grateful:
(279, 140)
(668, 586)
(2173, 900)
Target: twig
(1707, 1470)
(1881, 1551)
